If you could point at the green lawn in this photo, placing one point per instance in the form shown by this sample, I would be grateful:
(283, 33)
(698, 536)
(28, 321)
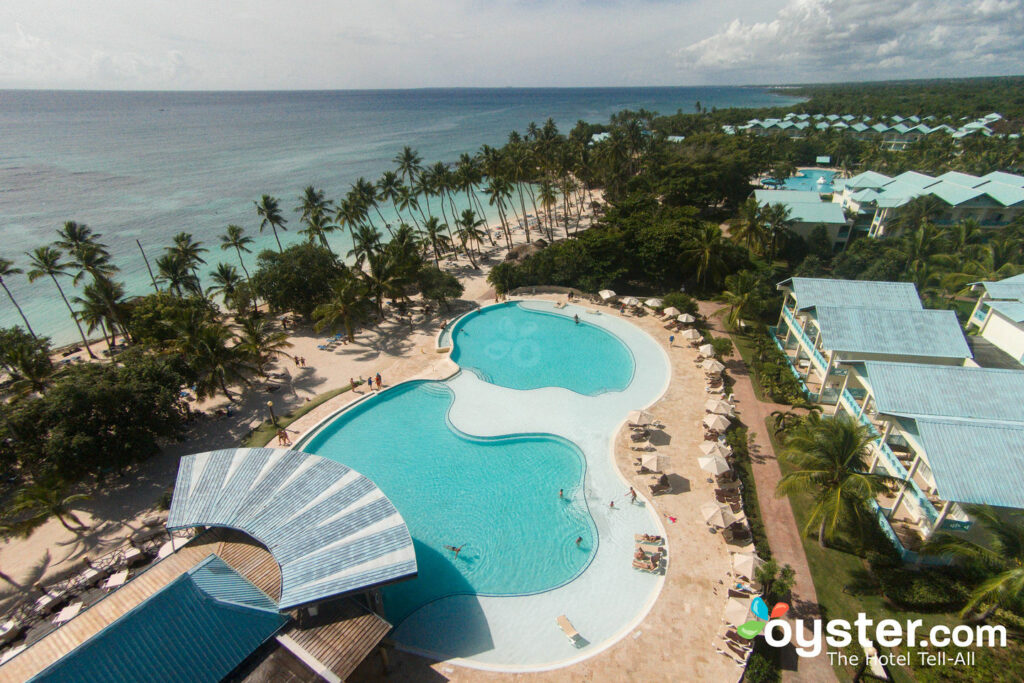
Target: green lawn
(745, 346)
(262, 435)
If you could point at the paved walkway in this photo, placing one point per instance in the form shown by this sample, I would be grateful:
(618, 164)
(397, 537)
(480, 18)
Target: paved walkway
(780, 524)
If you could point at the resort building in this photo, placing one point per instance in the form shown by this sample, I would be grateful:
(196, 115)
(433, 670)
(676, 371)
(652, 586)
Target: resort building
(950, 431)
(825, 323)
(279, 582)
(952, 435)
(807, 210)
(999, 314)
(994, 200)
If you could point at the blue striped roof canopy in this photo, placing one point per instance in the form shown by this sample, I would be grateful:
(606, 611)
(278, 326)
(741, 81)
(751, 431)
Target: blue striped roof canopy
(329, 528)
(976, 462)
(197, 628)
(814, 291)
(945, 391)
(921, 333)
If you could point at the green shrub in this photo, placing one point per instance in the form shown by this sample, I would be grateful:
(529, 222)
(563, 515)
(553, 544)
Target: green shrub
(684, 302)
(763, 666)
(926, 590)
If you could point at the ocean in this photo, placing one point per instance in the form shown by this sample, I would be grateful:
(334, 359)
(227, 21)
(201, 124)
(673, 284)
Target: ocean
(147, 165)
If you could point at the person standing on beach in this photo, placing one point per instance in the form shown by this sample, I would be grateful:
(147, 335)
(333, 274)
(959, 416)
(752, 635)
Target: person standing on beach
(379, 380)
(671, 340)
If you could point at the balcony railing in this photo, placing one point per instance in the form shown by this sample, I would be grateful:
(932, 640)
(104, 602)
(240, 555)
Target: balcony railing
(907, 555)
(798, 328)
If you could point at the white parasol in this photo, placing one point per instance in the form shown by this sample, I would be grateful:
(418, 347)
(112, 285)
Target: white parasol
(713, 366)
(737, 611)
(640, 417)
(714, 464)
(715, 448)
(671, 311)
(653, 302)
(717, 406)
(655, 462)
(606, 294)
(716, 422)
(706, 350)
(745, 564)
(686, 318)
(630, 301)
(691, 335)
(717, 515)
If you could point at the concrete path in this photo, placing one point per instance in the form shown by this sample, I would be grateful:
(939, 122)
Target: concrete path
(780, 524)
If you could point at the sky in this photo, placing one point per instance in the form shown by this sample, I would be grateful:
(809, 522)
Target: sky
(341, 44)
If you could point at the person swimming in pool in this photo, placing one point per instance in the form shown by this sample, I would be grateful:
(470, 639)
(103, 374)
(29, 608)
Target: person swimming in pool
(454, 549)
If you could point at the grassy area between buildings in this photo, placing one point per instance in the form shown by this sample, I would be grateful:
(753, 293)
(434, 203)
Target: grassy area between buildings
(262, 435)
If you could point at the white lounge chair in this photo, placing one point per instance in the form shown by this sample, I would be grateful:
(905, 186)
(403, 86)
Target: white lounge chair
(568, 629)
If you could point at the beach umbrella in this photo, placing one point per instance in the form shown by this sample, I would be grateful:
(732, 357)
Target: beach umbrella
(737, 611)
(686, 318)
(713, 366)
(745, 564)
(606, 294)
(671, 311)
(706, 350)
(655, 462)
(715, 448)
(717, 515)
(640, 417)
(630, 301)
(715, 405)
(716, 422)
(653, 302)
(691, 335)
(713, 464)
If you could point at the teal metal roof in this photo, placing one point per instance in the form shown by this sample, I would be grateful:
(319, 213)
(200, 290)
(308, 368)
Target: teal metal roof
(913, 179)
(869, 179)
(197, 628)
(924, 333)
(1006, 178)
(1010, 288)
(805, 206)
(919, 390)
(813, 291)
(975, 462)
(788, 197)
(954, 193)
(1012, 310)
(1007, 195)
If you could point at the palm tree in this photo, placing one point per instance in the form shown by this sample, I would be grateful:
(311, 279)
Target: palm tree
(270, 214)
(225, 282)
(705, 253)
(439, 241)
(742, 296)
(547, 195)
(93, 259)
(408, 162)
(312, 202)
(776, 218)
(469, 231)
(383, 279)
(346, 307)
(172, 268)
(72, 235)
(47, 261)
(831, 460)
(365, 241)
(215, 364)
(7, 268)
(235, 238)
(749, 228)
(1002, 554)
(261, 343)
(30, 368)
(189, 251)
(45, 499)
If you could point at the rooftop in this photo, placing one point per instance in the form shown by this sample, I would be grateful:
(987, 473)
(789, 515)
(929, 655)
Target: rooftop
(1010, 288)
(1011, 310)
(919, 333)
(811, 292)
(330, 529)
(199, 627)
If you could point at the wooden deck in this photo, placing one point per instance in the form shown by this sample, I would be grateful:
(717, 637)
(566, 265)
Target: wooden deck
(341, 637)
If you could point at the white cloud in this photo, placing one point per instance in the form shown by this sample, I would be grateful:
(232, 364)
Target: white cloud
(831, 40)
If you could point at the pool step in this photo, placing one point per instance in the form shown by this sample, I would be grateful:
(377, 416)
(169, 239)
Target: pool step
(436, 389)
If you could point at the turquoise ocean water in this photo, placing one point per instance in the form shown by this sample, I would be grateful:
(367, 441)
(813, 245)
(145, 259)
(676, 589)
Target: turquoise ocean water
(148, 165)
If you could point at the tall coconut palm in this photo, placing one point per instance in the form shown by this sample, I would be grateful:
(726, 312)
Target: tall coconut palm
(225, 279)
(72, 235)
(312, 202)
(261, 343)
(748, 229)
(190, 251)
(469, 231)
(705, 253)
(518, 165)
(93, 259)
(102, 306)
(383, 279)
(346, 307)
(408, 163)
(317, 227)
(547, 195)
(216, 364)
(498, 192)
(1001, 554)
(831, 459)
(46, 499)
(173, 269)
(269, 211)
(741, 296)
(48, 261)
(776, 218)
(6, 270)
(235, 238)
(437, 238)
(365, 241)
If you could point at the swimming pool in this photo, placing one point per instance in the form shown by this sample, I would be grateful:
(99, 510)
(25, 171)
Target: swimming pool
(525, 349)
(807, 179)
(468, 460)
(497, 498)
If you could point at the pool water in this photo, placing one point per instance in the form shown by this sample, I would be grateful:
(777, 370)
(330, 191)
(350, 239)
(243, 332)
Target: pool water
(497, 498)
(519, 348)
(807, 179)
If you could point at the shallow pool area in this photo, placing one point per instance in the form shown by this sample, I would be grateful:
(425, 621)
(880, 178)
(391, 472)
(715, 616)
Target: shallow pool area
(810, 179)
(495, 498)
(514, 347)
(474, 463)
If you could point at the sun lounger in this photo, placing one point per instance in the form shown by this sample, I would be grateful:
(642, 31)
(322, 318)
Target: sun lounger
(68, 613)
(116, 580)
(10, 654)
(651, 548)
(737, 537)
(651, 565)
(10, 630)
(568, 629)
(658, 489)
(734, 485)
(642, 446)
(49, 602)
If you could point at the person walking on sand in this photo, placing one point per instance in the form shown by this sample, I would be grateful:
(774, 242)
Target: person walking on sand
(671, 340)
(282, 438)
